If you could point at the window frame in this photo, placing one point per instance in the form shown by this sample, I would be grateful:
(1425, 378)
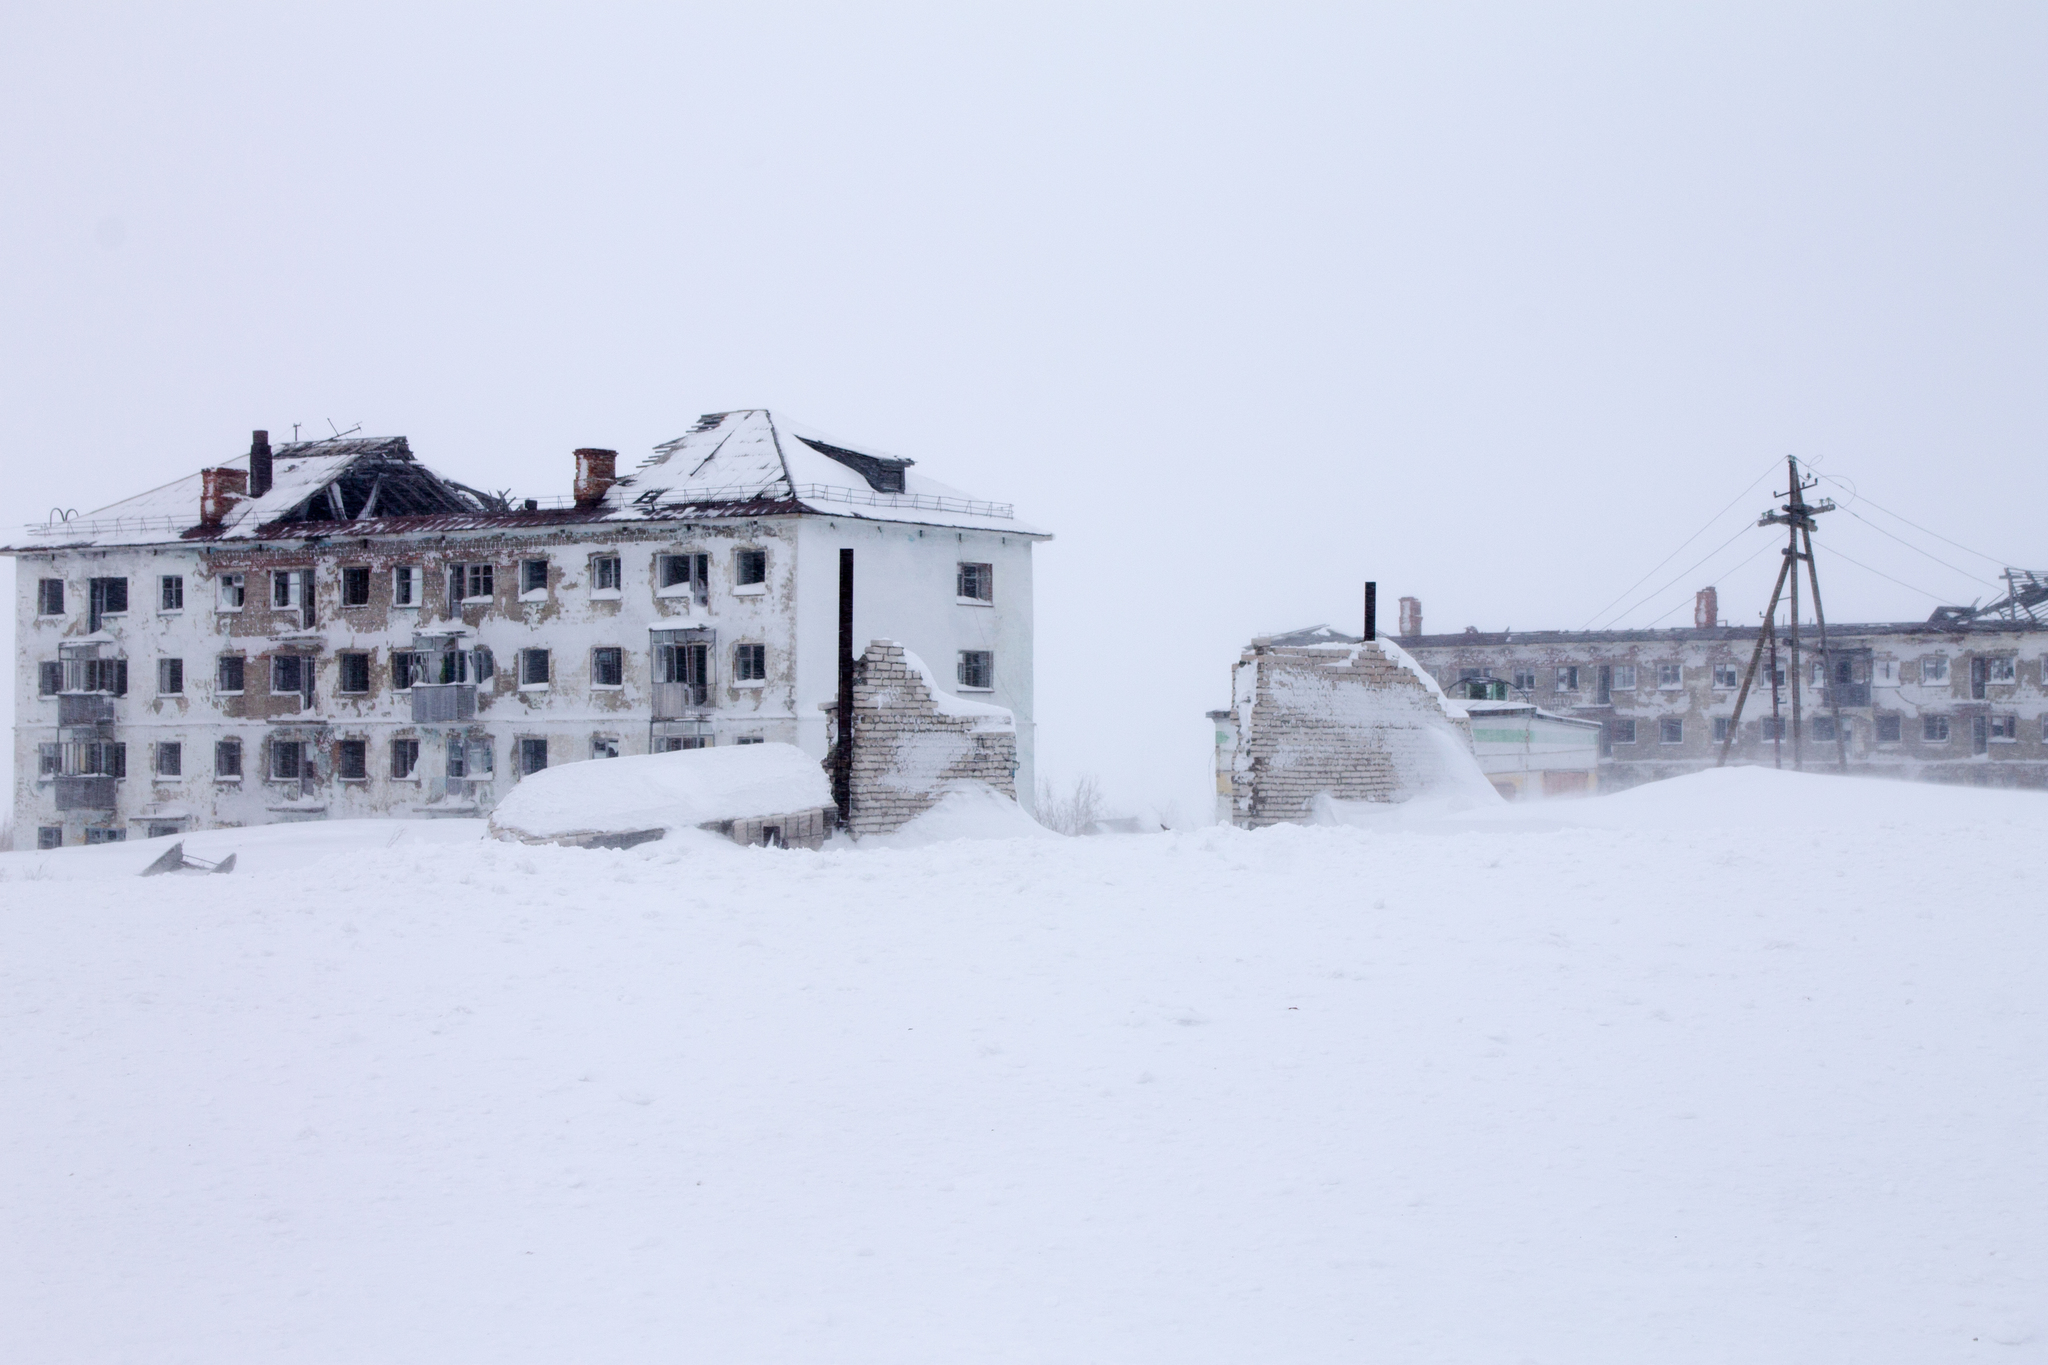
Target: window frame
(968, 575)
(744, 557)
(279, 747)
(1670, 730)
(530, 745)
(1624, 730)
(352, 752)
(44, 597)
(615, 655)
(607, 564)
(170, 676)
(1670, 678)
(1934, 670)
(528, 590)
(49, 671)
(526, 670)
(1932, 720)
(344, 660)
(231, 744)
(170, 594)
(2001, 670)
(406, 584)
(749, 664)
(977, 660)
(171, 752)
(352, 577)
(220, 675)
(1727, 677)
(1564, 678)
(1896, 722)
(410, 746)
(230, 585)
(1623, 678)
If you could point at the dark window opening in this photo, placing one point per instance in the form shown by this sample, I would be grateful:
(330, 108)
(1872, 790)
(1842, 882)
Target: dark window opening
(978, 582)
(750, 567)
(1670, 731)
(604, 573)
(405, 756)
(533, 756)
(1888, 730)
(355, 587)
(533, 668)
(233, 671)
(170, 759)
(533, 575)
(50, 597)
(170, 677)
(287, 760)
(49, 678)
(352, 760)
(171, 592)
(49, 836)
(227, 758)
(608, 666)
(355, 672)
(976, 669)
(750, 663)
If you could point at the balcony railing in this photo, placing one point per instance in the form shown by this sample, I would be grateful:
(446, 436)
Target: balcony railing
(92, 791)
(674, 700)
(84, 708)
(443, 703)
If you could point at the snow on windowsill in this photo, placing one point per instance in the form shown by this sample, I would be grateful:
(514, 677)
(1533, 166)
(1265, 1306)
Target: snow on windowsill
(607, 687)
(678, 590)
(604, 594)
(534, 687)
(749, 589)
(974, 601)
(750, 685)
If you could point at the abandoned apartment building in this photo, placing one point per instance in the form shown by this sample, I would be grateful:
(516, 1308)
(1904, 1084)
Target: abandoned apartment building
(329, 629)
(1960, 697)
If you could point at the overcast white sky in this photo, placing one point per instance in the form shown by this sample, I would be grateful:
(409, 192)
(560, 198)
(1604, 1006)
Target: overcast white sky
(1494, 304)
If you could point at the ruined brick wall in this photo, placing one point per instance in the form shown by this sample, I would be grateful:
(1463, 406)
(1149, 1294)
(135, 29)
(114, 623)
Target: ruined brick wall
(911, 742)
(1354, 722)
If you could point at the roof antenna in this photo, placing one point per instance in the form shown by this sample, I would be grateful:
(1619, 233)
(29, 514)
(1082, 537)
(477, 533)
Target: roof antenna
(338, 435)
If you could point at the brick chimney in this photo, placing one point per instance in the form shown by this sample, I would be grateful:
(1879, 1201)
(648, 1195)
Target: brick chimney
(259, 463)
(596, 471)
(220, 489)
(1411, 616)
(1706, 608)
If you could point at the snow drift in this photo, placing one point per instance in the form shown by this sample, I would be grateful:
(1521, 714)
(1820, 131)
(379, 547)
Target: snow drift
(683, 790)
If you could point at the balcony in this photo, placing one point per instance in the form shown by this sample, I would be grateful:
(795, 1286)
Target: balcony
(443, 703)
(92, 791)
(84, 708)
(676, 700)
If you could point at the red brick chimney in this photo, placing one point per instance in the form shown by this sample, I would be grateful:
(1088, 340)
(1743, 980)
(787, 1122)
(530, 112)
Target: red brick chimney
(1411, 616)
(596, 471)
(220, 489)
(1706, 608)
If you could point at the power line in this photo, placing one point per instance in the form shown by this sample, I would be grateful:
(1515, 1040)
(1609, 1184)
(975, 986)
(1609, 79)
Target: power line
(1729, 570)
(1659, 592)
(1882, 574)
(1916, 549)
(1681, 546)
(1857, 494)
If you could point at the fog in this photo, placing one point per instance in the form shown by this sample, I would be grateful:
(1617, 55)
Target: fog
(1491, 305)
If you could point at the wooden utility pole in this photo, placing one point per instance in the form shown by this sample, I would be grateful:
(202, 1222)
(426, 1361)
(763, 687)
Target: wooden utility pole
(1796, 516)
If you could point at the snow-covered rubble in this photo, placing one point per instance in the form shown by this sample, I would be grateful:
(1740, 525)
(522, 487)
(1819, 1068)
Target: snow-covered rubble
(1742, 1066)
(682, 790)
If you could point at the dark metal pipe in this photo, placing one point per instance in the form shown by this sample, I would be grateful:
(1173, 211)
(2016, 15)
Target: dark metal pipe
(842, 750)
(1372, 611)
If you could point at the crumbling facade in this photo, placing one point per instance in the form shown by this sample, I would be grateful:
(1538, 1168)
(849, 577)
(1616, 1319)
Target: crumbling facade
(913, 742)
(329, 629)
(1356, 720)
(1961, 697)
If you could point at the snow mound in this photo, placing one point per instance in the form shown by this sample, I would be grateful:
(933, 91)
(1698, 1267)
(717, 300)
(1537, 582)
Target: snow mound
(661, 791)
(970, 810)
(289, 847)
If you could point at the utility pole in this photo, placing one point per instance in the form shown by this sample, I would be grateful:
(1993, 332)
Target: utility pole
(1796, 516)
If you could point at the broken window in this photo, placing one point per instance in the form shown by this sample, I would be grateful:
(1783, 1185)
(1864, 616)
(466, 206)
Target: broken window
(1671, 730)
(2005, 727)
(405, 756)
(355, 586)
(49, 760)
(227, 758)
(1934, 729)
(170, 592)
(533, 756)
(977, 582)
(287, 760)
(1670, 675)
(2001, 668)
(354, 670)
(750, 739)
(533, 668)
(604, 573)
(482, 663)
(681, 575)
(1934, 670)
(170, 759)
(291, 673)
(284, 589)
(1524, 679)
(458, 764)
(976, 669)
(1568, 678)
(102, 675)
(1720, 729)
(105, 597)
(49, 836)
(99, 835)
(50, 597)
(607, 666)
(230, 591)
(604, 746)
(669, 744)
(1888, 730)
(170, 677)
(749, 663)
(405, 586)
(1727, 676)
(231, 673)
(404, 663)
(533, 576)
(749, 567)
(470, 583)
(352, 760)
(1624, 731)
(102, 758)
(1624, 678)
(49, 678)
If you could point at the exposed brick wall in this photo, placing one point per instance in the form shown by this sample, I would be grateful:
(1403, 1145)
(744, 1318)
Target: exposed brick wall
(907, 751)
(1352, 722)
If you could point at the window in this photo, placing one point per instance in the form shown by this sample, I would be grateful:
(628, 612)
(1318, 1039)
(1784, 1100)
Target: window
(1727, 677)
(2001, 669)
(352, 760)
(1934, 729)
(287, 760)
(1887, 672)
(1888, 729)
(670, 744)
(1624, 732)
(162, 829)
(1671, 730)
(49, 597)
(103, 675)
(604, 746)
(104, 597)
(1934, 670)
(284, 589)
(49, 760)
(483, 663)
(470, 582)
(604, 573)
(227, 758)
(682, 575)
(1771, 727)
(1624, 678)
(749, 663)
(607, 666)
(1568, 678)
(170, 677)
(750, 739)
(1824, 729)
(229, 677)
(533, 668)
(170, 759)
(977, 583)
(976, 670)
(170, 592)
(404, 665)
(49, 836)
(533, 756)
(750, 568)
(97, 835)
(1819, 673)
(405, 586)
(229, 591)
(405, 757)
(101, 758)
(354, 672)
(49, 678)
(1720, 729)
(355, 586)
(458, 764)
(2005, 728)
(1525, 679)
(533, 577)
(1670, 675)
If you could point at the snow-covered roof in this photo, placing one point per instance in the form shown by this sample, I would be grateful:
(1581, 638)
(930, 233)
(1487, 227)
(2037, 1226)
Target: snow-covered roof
(745, 463)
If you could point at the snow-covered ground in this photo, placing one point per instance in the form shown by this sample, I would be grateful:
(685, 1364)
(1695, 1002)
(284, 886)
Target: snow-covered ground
(1741, 1067)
